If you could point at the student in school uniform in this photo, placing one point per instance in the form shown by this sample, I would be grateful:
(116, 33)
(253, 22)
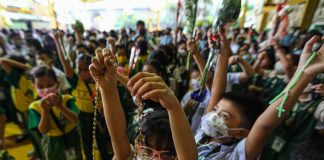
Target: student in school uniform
(304, 119)
(22, 93)
(55, 116)
(83, 89)
(162, 134)
(234, 126)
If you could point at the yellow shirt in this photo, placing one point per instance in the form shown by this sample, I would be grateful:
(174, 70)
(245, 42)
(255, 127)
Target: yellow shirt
(22, 90)
(35, 113)
(84, 99)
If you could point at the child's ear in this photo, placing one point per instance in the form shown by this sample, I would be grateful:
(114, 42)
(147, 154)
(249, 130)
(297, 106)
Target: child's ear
(239, 133)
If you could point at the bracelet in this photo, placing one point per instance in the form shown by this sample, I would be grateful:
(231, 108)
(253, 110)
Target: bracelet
(280, 108)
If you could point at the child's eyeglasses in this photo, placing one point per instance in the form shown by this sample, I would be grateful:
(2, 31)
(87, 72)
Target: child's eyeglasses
(148, 153)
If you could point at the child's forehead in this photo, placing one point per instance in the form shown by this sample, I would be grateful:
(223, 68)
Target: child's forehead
(44, 80)
(228, 106)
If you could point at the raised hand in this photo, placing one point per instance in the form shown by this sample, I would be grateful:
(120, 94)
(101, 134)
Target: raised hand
(150, 86)
(103, 69)
(225, 47)
(192, 47)
(319, 89)
(317, 65)
(234, 59)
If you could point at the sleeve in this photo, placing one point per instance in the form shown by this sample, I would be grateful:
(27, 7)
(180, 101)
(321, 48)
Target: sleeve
(185, 99)
(33, 119)
(73, 81)
(199, 135)
(13, 77)
(72, 106)
(239, 151)
(233, 78)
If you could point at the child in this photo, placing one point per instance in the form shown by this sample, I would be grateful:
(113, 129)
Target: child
(83, 90)
(22, 93)
(154, 138)
(55, 116)
(154, 66)
(121, 56)
(45, 58)
(304, 119)
(233, 129)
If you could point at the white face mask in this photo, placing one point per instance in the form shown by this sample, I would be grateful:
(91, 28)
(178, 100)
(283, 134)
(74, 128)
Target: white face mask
(195, 84)
(42, 63)
(279, 68)
(214, 126)
(182, 52)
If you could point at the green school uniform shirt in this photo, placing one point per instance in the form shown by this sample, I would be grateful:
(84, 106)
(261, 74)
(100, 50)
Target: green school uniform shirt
(296, 128)
(22, 90)
(35, 113)
(84, 98)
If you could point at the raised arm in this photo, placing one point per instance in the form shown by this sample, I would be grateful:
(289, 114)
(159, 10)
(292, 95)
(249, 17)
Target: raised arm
(65, 61)
(283, 59)
(151, 86)
(78, 35)
(246, 67)
(256, 65)
(193, 48)
(105, 75)
(7, 65)
(220, 78)
(269, 120)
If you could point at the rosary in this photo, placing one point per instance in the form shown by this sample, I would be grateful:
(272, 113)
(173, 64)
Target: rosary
(280, 108)
(123, 80)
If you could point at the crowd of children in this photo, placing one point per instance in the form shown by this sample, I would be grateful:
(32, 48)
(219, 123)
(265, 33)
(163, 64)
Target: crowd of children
(152, 106)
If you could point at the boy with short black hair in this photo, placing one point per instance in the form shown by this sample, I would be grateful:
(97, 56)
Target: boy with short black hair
(228, 128)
